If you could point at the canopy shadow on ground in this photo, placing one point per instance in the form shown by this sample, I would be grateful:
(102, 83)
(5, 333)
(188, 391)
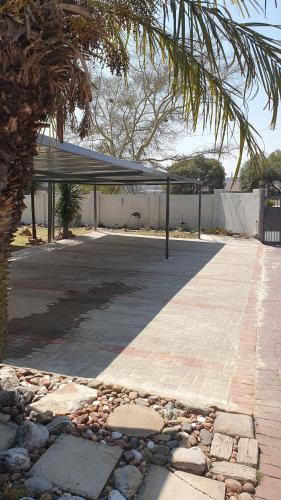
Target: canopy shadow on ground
(75, 309)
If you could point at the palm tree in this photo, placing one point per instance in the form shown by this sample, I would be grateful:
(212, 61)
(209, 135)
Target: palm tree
(68, 206)
(45, 46)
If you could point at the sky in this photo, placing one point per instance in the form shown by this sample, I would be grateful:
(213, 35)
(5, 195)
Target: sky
(259, 117)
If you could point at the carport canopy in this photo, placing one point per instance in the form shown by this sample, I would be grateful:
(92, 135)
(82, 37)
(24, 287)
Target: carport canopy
(65, 162)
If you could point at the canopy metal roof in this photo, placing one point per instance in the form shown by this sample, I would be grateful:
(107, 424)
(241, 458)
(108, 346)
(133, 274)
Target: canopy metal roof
(67, 162)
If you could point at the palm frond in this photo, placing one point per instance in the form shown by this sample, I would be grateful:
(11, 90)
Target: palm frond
(193, 37)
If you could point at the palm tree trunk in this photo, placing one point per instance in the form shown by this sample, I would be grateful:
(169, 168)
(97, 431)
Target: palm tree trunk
(15, 173)
(65, 230)
(11, 204)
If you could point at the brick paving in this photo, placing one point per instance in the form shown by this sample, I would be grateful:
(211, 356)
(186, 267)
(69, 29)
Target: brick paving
(267, 410)
(112, 307)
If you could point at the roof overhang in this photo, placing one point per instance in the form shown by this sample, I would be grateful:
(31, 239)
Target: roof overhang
(65, 162)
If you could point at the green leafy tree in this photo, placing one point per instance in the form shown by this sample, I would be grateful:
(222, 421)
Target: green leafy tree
(268, 174)
(45, 46)
(207, 170)
(68, 206)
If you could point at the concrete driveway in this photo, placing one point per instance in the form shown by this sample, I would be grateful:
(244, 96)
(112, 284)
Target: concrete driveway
(111, 307)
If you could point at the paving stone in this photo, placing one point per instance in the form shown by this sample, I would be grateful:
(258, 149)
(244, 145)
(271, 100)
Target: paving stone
(248, 452)
(76, 465)
(239, 472)
(67, 399)
(234, 424)
(221, 446)
(188, 459)
(7, 435)
(161, 484)
(135, 420)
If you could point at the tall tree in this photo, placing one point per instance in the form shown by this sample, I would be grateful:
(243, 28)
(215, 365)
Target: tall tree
(140, 118)
(207, 170)
(268, 174)
(44, 49)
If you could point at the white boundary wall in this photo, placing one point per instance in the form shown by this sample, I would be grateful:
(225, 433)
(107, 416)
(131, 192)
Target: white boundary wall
(237, 212)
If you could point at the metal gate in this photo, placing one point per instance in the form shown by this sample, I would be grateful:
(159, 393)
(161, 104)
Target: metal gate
(272, 220)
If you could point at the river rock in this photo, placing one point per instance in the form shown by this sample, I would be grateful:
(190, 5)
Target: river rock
(14, 459)
(159, 459)
(127, 480)
(4, 419)
(37, 485)
(233, 486)
(7, 435)
(8, 378)
(146, 455)
(188, 459)
(61, 425)
(24, 394)
(44, 418)
(206, 437)
(32, 436)
(116, 495)
(8, 398)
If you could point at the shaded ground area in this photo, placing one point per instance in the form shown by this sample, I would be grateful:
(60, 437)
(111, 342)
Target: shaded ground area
(111, 307)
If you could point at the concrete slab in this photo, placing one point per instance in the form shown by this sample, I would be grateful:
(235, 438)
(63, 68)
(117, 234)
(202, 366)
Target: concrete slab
(112, 307)
(67, 399)
(135, 420)
(234, 424)
(161, 484)
(77, 465)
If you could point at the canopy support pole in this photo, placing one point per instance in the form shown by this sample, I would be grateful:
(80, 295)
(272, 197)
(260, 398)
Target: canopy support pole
(199, 211)
(33, 219)
(50, 211)
(53, 210)
(167, 216)
(95, 208)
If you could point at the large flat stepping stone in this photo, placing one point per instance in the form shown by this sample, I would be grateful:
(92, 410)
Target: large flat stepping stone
(240, 472)
(78, 466)
(7, 436)
(221, 447)
(67, 399)
(161, 484)
(234, 424)
(248, 452)
(135, 420)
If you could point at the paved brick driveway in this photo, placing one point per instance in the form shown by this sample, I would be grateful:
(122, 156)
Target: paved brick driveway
(267, 410)
(113, 308)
